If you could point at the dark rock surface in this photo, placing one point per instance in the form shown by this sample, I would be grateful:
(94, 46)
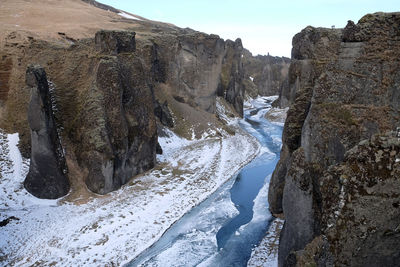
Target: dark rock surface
(163, 113)
(47, 171)
(159, 149)
(8, 220)
(117, 128)
(343, 88)
(232, 75)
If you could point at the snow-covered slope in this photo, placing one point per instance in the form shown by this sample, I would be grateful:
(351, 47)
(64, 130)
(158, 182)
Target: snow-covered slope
(112, 229)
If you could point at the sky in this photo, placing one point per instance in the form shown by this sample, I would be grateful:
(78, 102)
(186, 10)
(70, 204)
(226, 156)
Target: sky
(264, 26)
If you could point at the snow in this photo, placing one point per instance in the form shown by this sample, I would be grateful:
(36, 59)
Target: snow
(123, 14)
(13, 169)
(222, 111)
(192, 238)
(115, 228)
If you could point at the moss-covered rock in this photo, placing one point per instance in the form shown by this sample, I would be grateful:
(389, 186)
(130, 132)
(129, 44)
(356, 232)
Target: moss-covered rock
(343, 88)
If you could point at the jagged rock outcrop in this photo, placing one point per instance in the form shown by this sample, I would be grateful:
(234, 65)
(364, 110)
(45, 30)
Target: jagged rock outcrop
(47, 170)
(108, 121)
(163, 113)
(343, 88)
(117, 128)
(269, 74)
(231, 85)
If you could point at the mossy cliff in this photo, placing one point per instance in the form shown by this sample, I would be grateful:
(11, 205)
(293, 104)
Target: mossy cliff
(337, 197)
(105, 84)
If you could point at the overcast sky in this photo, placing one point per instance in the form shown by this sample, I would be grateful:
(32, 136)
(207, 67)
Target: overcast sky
(264, 26)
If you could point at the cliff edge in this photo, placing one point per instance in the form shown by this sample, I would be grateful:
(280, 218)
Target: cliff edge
(339, 146)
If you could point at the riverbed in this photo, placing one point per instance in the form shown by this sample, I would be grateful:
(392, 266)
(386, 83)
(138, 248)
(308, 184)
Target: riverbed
(224, 229)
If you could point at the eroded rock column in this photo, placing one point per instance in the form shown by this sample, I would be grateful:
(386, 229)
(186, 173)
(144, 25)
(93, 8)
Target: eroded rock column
(46, 177)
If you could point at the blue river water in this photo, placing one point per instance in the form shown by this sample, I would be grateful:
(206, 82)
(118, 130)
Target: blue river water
(223, 230)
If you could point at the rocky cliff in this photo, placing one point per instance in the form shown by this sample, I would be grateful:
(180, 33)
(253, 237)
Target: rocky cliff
(109, 75)
(47, 171)
(337, 180)
(265, 75)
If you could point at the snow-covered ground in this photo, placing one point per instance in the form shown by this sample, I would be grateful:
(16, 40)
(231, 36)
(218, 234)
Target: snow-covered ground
(266, 253)
(112, 229)
(127, 16)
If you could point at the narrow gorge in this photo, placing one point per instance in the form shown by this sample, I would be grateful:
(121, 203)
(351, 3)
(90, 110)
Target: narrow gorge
(126, 141)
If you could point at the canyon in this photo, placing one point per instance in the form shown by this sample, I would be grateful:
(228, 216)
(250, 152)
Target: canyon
(116, 126)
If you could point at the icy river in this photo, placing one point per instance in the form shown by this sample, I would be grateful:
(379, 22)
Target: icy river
(224, 229)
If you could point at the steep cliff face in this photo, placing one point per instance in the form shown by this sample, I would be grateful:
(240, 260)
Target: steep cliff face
(109, 83)
(231, 85)
(117, 126)
(343, 88)
(197, 67)
(269, 74)
(47, 171)
(106, 118)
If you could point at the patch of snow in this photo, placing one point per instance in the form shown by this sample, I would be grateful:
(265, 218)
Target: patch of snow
(13, 170)
(127, 16)
(223, 113)
(259, 101)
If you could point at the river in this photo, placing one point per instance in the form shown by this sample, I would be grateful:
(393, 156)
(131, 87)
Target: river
(223, 230)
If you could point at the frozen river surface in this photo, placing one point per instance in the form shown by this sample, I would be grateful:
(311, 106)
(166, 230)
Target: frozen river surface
(223, 230)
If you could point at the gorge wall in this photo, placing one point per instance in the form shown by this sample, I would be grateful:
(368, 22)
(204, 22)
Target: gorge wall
(106, 82)
(337, 182)
(265, 75)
